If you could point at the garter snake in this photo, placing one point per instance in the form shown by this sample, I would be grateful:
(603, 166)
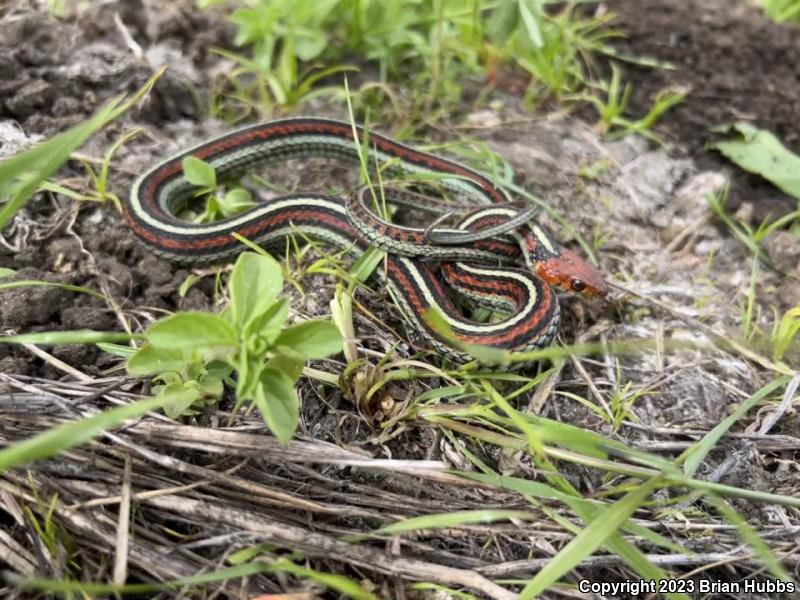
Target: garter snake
(490, 278)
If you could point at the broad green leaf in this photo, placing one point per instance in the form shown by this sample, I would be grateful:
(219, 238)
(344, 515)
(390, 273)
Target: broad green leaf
(235, 201)
(309, 47)
(149, 360)
(210, 385)
(255, 283)
(292, 367)
(270, 322)
(531, 20)
(502, 21)
(178, 397)
(199, 172)
(277, 400)
(191, 331)
(247, 21)
(248, 367)
(311, 339)
(58, 439)
(760, 152)
(168, 377)
(6, 272)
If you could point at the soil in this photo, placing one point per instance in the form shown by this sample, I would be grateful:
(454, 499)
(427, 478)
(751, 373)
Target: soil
(645, 205)
(738, 66)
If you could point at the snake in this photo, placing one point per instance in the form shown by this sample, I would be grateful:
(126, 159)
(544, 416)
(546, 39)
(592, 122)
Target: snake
(515, 272)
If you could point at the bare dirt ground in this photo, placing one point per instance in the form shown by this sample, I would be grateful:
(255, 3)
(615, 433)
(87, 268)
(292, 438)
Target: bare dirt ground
(738, 65)
(212, 489)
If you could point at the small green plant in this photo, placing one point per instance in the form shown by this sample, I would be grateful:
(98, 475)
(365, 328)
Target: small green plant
(750, 308)
(251, 89)
(613, 124)
(50, 534)
(283, 37)
(749, 236)
(22, 175)
(600, 236)
(784, 333)
(220, 203)
(99, 191)
(559, 59)
(193, 353)
(622, 400)
(781, 11)
(610, 111)
(429, 45)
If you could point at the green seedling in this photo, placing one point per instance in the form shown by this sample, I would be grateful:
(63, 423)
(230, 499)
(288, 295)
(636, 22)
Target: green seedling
(193, 354)
(562, 63)
(254, 89)
(220, 203)
(613, 124)
(611, 110)
(784, 333)
(752, 238)
(749, 310)
(99, 191)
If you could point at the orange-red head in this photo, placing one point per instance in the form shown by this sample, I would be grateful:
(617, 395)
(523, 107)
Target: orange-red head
(568, 271)
(561, 267)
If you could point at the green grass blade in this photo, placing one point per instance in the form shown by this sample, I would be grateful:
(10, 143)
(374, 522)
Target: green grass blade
(78, 336)
(58, 439)
(695, 455)
(589, 511)
(589, 540)
(21, 175)
(751, 537)
(443, 591)
(453, 519)
(39, 283)
(340, 583)
(67, 587)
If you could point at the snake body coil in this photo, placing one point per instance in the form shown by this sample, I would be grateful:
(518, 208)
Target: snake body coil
(489, 278)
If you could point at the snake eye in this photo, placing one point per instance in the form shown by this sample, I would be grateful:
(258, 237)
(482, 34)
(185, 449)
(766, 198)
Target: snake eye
(577, 285)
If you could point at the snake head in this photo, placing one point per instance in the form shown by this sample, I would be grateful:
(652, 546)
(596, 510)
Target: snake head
(569, 272)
